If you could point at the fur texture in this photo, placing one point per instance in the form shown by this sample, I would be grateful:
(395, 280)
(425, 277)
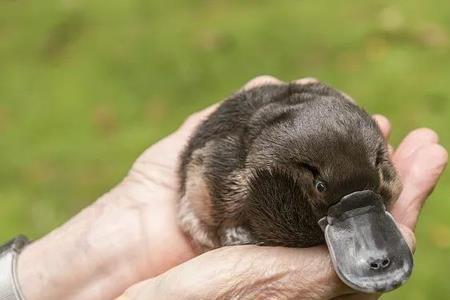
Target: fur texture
(256, 169)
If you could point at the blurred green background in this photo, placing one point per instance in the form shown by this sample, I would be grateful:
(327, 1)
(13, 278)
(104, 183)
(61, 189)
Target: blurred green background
(86, 86)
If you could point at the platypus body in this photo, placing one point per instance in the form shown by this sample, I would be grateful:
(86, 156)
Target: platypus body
(267, 165)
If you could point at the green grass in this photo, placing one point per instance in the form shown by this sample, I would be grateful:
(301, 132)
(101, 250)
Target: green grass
(85, 86)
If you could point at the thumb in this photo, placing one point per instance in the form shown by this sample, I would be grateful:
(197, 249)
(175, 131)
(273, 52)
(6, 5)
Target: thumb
(409, 236)
(247, 272)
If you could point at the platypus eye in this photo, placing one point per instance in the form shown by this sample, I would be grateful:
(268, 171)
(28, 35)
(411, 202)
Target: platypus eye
(320, 186)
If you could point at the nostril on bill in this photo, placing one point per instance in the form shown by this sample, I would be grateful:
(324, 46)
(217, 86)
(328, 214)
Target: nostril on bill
(385, 263)
(376, 264)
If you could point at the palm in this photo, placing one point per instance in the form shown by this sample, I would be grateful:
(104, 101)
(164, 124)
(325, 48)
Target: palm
(154, 181)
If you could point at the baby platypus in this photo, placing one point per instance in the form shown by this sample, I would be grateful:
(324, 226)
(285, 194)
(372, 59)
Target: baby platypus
(271, 161)
(296, 165)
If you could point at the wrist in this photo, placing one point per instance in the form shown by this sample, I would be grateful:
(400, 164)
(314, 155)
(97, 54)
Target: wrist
(75, 261)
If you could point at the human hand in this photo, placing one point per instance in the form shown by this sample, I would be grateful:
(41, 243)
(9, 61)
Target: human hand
(127, 235)
(251, 272)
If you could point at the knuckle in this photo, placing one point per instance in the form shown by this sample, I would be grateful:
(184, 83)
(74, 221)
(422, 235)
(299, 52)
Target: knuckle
(381, 120)
(426, 134)
(439, 152)
(191, 121)
(261, 80)
(306, 80)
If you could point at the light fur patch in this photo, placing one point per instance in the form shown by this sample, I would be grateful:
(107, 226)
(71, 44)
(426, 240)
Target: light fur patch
(192, 226)
(195, 208)
(236, 236)
(197, 192)
(394, 186)
(237, 183)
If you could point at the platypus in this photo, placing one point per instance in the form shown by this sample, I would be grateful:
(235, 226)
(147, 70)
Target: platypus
(296, 165)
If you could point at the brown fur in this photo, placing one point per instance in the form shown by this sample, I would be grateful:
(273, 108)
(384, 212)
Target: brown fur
(249, 173)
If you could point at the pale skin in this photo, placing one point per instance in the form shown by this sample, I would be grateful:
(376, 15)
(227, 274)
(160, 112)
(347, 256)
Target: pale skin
(127, 244)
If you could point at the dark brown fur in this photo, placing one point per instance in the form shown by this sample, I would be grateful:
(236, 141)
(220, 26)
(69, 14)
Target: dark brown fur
(248, 172)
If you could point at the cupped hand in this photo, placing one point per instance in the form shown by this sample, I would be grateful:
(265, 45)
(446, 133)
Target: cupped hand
(252, 272)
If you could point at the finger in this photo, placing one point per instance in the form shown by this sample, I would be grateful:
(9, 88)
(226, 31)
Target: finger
(419, 172)
(196, 118)
(247, 272)
(143, 290)
(409, 237)
(307, 80)
(384, 125)
(358, 296)
(260, 81)
(171, 145)
(415, 140)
